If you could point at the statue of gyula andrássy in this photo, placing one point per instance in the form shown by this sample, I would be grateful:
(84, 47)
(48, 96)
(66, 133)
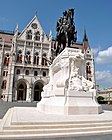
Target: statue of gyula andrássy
(65, 30)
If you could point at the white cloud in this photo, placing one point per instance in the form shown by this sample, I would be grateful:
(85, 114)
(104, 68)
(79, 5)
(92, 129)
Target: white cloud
(104, 56)
(104, 78)
(95, 50)
(103, 75)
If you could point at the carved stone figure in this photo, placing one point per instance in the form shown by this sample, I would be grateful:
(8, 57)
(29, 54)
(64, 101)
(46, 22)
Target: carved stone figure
(78, 82)
(75, 82)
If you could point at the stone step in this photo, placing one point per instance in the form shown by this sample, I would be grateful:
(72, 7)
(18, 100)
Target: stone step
(17, 128)
(59, 122)
(53, 135)
(58, 125)
(55, 130)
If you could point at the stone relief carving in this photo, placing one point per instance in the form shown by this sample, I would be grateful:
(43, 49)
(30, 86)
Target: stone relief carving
(75, 82)
(78, 82)
(87, 85)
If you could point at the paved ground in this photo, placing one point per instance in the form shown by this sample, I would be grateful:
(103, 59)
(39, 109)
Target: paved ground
(4, 106)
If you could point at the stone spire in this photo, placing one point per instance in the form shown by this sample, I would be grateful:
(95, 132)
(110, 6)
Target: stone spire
(13, 49)
(16, 30)
(50, 35)
(85, 36)
(85, 41)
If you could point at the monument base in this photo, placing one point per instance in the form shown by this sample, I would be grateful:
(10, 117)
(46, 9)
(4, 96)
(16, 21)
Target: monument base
(77, 103)
(68, 92)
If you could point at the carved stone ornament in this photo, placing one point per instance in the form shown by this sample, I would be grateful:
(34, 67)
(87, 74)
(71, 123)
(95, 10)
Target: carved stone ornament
(75, 82)
(78, 82)
(34, 25)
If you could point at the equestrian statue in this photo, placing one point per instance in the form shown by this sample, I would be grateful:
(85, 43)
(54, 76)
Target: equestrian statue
(65, 28)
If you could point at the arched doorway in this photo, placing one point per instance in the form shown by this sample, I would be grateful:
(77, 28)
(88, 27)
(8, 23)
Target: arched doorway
(37, 91)
(21, 91)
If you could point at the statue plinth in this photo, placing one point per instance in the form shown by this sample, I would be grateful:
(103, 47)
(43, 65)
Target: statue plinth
(68, 92)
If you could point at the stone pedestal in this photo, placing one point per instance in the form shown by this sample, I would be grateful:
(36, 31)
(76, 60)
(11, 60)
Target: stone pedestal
(68, 92)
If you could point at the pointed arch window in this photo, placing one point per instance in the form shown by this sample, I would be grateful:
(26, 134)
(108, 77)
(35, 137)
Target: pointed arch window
(5, 73)
(44, 59)
(29, 35)
(88, 68)
(36, 58)
(19, 56)
(37, 36)
(4, 84)
(6, 59)
(28, 57)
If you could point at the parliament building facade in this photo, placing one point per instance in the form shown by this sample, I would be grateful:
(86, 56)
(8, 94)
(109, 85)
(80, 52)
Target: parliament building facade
(25, 59)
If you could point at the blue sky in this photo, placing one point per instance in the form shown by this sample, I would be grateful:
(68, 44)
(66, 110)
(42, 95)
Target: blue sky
(93, 15)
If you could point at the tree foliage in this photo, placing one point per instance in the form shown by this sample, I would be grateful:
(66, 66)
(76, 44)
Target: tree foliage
(100, 98)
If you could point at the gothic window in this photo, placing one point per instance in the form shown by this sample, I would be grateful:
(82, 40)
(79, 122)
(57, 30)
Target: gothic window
(5, 73)
(18, 71)
(44, 59)
(88, 68)
(6, 60)
(29, 35)
(37, 36)
(4, 84)
(35, 73)
(27, 72)
(19, 56)
(36, 58)
(28, 57)
(44, 73)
